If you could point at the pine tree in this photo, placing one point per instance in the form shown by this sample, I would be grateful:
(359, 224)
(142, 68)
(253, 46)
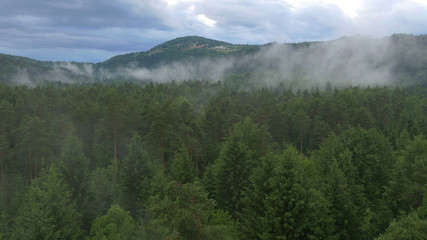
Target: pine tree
(48, 211)
(283, 202)
(182, 168)
(115, 225)
(34, 144)
(135, 177)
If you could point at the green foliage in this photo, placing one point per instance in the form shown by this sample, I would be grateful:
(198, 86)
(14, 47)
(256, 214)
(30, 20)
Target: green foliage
(47, 211)
(240, 153)
(302, 126)
(136, 171)
(182, 168)
(115, 225)
(184, 211)
(362, 162)
(74, 168)
(108, 143)
(410, 227)
(103, 190)
(282, 201)
(6, 117)
(177, 49)
(34, 143)
(409, 178)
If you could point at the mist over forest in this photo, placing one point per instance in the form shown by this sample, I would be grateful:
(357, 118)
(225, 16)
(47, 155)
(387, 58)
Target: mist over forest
(349, 61)
(203, 139)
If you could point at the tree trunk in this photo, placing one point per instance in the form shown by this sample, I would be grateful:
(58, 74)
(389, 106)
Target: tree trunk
(199, 222)
(3, 183)
(163, 161)
(29, 164)
(35, 170)
(300, 140)
(115, 143)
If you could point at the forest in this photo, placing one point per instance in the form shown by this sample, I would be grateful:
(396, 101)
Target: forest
(206, 160)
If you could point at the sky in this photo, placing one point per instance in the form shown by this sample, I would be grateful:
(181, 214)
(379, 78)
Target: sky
(95, 30)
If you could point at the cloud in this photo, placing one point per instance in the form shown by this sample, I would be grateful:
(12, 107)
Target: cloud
(134, 25)
(205, 20)
(357, 61)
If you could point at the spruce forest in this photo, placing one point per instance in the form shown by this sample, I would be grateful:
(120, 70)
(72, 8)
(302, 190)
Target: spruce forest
(114, 157)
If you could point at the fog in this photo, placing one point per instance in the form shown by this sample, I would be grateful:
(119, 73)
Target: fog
(353, 61)
(47, 72)
(348, 61)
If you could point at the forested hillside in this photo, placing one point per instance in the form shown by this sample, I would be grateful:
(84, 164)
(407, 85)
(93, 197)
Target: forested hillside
(398, 60)
(202, 159)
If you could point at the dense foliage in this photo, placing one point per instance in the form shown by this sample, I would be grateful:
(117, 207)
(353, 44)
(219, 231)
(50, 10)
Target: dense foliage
(207, 160)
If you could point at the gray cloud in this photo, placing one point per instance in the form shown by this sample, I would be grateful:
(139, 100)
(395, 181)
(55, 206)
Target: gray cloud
(118, 26)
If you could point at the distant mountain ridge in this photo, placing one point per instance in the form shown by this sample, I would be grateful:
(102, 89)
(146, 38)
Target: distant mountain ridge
(403, 56)
(177, 49)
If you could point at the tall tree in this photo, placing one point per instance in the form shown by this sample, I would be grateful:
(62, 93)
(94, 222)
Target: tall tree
(283, 200)
(183, 169)
(409, 177)
(6, 122)
(115, 225)
(190, 133)
(103, 190)
(47, 211)
(240, 154)
(34, 143)
(4, 152)
(6, 118)
(136, 172)
(115, 105)
(74, 168)
(163, 130)
(184, 211)
(365, 159)
(408, 227)
(301, 121)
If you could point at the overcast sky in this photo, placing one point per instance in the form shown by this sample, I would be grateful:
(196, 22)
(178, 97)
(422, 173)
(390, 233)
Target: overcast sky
(95, 30)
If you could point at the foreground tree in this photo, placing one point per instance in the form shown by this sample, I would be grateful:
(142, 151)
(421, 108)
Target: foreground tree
(183, 169)
(34, 143)
(73, 166)
(136, 172)
(410, 227)
(409, 177)
(103, 190)
(115, 225)
(359, 162)
(240, 153)
(4, 152)
(183, 211)
(47, 211)
(283, 202)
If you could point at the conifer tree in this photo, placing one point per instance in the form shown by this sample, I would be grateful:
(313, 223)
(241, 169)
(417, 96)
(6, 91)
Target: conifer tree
(47, 211)
(136, 172)
(182, 168)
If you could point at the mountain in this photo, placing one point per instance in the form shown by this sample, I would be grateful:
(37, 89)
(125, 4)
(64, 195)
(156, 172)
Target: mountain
(15, 70)
(400, 59)
(176, 50)
(11, 65)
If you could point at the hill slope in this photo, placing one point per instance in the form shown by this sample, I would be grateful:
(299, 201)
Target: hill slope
(398, 59)
(175, 50)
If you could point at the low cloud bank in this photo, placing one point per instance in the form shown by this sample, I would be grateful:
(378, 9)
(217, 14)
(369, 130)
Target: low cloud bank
(356, 61)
